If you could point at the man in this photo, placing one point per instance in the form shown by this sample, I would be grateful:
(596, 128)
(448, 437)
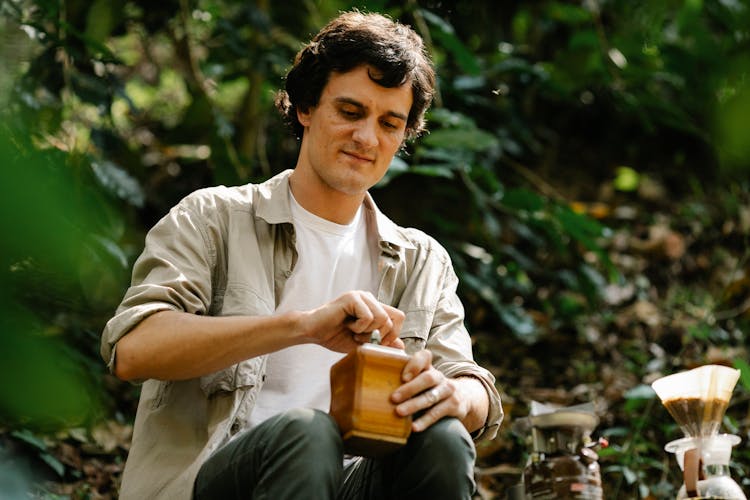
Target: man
(244, 297)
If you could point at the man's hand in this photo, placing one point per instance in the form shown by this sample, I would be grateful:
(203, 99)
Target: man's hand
(346, 322)
(427, 389)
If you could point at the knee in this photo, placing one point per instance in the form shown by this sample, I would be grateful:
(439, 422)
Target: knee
(448, 439)
(310, 428)
(308, 420)
(310, 442)
(436, 463)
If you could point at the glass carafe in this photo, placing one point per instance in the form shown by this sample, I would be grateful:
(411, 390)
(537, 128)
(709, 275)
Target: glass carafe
(704, 462)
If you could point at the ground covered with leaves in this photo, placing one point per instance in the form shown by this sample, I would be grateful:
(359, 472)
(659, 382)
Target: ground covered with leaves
(683, 301)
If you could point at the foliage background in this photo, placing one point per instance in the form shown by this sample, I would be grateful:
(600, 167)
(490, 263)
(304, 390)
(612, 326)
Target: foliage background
(587, 168)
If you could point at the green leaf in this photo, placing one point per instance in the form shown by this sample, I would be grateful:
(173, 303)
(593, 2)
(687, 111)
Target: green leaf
(584, 40)
(473, 139)
(700, 331)
(523, 199)
(642, 391)
(731, 124)
(119, 182)
(52, 390)
(448, 118)
(616, 432)
(433, 171)
(626, 179)
(629, 475)
(100, 20)
(580, 227)
(518, 320)
(54, 463)
(744, 369)
(397, 167)
(569, 14)
(28, 437)
(446, 35)
(569, 304)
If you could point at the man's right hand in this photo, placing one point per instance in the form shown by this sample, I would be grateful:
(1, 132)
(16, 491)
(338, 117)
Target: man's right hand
(346, 322)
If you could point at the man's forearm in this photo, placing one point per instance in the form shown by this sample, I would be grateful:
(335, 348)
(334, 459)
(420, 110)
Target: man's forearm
(172, 345)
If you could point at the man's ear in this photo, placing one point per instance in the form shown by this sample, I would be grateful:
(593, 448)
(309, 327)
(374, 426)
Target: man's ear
(303, 117)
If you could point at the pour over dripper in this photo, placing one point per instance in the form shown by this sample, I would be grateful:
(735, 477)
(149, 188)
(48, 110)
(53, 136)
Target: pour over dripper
(697, 399)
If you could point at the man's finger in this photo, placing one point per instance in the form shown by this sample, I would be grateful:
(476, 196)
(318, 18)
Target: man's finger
(419, 362)
(360, 311)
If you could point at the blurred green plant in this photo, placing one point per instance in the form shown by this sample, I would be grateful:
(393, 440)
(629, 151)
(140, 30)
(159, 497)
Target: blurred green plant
(57, 267)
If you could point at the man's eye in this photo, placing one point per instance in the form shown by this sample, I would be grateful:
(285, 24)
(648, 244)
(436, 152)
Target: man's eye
(350, 114)
(390, 125)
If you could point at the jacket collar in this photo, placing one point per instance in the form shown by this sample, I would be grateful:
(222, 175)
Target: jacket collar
(273, 205)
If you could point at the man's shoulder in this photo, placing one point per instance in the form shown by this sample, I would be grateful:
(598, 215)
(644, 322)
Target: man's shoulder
(220, 197)
(230, 198)
(421, 244)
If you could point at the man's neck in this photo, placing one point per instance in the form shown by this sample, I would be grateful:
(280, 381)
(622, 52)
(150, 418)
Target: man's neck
(323, 201)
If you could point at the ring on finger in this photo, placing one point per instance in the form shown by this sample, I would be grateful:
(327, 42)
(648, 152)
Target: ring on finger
(433, 395)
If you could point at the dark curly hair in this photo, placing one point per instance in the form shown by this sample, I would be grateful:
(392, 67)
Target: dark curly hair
(353, 39)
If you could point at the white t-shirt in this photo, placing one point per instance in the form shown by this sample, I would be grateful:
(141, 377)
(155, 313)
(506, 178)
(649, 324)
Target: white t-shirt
(332, 259)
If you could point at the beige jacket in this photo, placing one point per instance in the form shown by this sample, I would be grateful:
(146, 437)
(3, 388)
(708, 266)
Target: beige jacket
(229, 251)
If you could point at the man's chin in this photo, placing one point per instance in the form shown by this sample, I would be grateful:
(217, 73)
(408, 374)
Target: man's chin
(352, 186)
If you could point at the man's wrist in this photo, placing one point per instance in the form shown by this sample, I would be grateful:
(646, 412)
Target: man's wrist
(478, 401)
(296, 324)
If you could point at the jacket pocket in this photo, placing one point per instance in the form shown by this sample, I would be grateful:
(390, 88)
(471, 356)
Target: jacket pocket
(238, 300)
(416, 329)
(242, 300)
(242, 375)
(157, 391)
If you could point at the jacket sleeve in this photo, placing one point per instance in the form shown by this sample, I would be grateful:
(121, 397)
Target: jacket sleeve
(450, 344)
(435, 321)
(172, 273)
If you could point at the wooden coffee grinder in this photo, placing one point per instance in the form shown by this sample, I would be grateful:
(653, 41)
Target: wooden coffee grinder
(361, 385)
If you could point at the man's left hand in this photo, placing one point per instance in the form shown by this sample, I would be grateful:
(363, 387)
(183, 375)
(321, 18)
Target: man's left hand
(427, 389)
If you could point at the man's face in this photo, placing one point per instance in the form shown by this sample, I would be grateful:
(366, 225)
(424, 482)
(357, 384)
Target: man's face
(352, 134)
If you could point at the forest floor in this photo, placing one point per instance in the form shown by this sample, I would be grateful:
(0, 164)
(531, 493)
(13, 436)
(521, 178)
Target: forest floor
(682, 302)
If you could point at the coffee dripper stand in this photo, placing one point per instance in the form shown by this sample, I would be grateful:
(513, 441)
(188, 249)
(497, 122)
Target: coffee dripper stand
(563, 463)
(697, 400)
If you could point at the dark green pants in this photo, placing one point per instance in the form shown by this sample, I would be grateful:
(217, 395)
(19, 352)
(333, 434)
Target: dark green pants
(298, 455)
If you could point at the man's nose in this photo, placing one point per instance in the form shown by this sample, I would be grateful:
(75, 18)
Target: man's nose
(365, 134)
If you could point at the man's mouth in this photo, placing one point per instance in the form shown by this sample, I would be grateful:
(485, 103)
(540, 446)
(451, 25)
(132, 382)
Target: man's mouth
(359, 156)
